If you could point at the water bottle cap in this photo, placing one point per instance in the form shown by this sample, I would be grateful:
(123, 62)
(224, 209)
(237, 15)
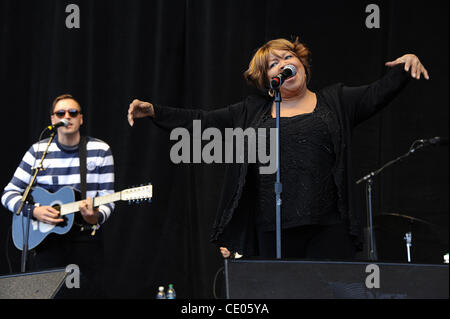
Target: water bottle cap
(161, 288)
(170, 285)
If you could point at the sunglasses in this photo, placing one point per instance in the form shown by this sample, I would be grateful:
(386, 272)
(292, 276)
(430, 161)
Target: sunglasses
(61, 113)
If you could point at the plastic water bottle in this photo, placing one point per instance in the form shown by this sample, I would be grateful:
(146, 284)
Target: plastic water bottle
(171, 294)
(161, 294)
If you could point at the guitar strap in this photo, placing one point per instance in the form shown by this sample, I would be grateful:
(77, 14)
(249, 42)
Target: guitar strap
(82, 152)
(82, 155)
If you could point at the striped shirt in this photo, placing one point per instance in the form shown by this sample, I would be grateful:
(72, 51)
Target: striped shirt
(62, 168)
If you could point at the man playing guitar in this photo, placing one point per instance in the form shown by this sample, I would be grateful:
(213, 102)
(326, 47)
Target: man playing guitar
(61, 168)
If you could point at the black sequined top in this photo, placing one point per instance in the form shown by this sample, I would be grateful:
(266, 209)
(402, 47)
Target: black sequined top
(307, 158)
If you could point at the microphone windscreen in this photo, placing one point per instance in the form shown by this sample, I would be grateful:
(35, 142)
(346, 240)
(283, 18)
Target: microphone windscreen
(290, 69)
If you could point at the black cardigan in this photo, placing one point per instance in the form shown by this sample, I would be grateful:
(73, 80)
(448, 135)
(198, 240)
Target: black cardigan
(234, 226)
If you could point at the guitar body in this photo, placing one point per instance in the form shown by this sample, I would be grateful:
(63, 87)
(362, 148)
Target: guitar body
(64, 201)
(39, 230)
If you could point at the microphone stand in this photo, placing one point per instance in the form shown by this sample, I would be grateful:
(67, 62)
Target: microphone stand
(25, 198)
(369, 182)
(275, 84)
(278, 185)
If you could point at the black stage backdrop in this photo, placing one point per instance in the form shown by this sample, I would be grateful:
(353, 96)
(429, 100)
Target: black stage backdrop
(192, 54)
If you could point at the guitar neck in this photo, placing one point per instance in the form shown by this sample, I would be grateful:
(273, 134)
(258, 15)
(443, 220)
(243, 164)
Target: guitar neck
(74, 207)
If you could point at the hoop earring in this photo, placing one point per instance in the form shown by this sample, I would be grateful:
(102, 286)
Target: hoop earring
(271, 93)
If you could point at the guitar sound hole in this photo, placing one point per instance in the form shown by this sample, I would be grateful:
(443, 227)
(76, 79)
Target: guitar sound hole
(63, 223)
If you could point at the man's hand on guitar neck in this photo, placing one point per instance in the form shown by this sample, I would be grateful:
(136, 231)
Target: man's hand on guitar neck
(89, 213)
(47, 214)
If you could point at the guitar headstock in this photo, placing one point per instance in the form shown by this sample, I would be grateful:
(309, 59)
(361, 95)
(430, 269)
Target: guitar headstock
(137, 194)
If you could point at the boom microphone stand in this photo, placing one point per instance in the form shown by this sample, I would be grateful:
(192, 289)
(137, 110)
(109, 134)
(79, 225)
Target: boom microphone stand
(416, 145)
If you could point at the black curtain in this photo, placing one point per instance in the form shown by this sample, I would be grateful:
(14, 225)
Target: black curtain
(191, 54)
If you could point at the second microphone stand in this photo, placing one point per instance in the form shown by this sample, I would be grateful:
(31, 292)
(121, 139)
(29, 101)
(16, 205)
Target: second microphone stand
(369, 182)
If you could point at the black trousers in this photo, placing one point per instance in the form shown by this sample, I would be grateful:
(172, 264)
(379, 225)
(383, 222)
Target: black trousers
(75, 248)
(324, 242)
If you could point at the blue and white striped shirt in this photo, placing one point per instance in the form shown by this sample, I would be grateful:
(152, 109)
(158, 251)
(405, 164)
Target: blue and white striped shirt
(62, 168)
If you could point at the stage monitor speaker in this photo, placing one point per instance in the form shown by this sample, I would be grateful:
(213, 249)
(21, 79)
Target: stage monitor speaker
(32, 285)
(289, 279)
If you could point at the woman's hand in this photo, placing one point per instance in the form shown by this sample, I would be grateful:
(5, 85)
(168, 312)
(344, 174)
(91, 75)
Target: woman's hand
(412, 65)
(139, 109)
(225, 252)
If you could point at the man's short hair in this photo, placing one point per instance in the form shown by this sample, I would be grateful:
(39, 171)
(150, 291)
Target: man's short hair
(62, 97)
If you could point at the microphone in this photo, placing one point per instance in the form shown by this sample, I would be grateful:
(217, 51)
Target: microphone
(64, 122)
(277, 81)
